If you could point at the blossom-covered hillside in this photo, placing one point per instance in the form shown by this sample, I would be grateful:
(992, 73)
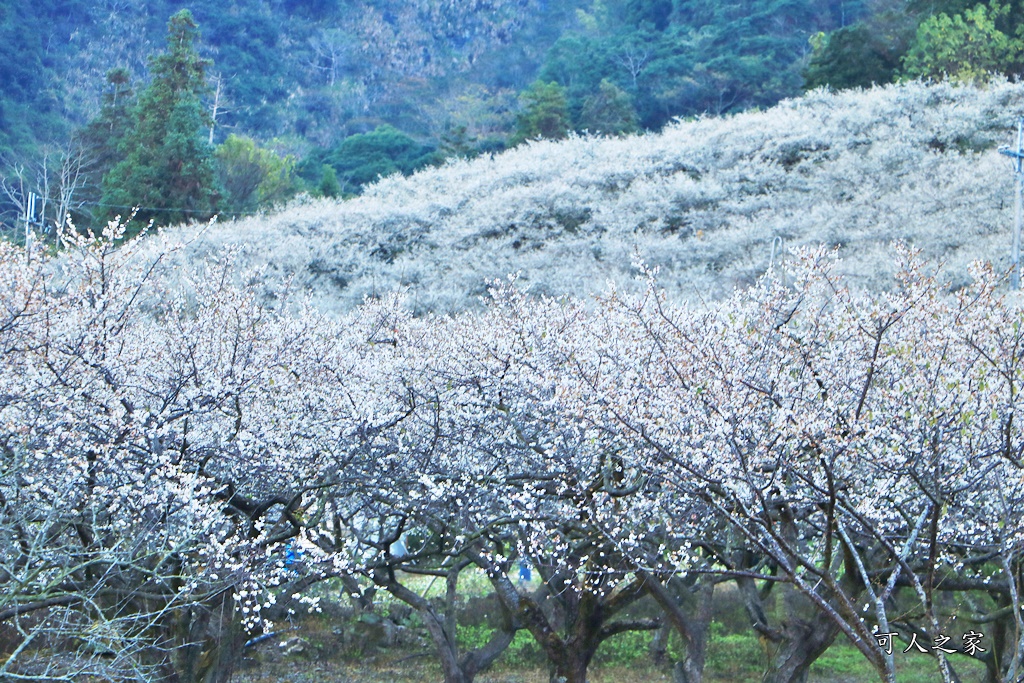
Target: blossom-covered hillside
(705, 200)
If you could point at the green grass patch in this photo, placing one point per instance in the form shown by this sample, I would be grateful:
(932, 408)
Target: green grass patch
(625, 649)
(843, 662)
(523, 651)
(735, 657)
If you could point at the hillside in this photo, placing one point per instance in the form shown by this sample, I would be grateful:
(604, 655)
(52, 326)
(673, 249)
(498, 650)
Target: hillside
(703, 200)
(315, 71)
(321, 96)
(801, 475)
(331, 94)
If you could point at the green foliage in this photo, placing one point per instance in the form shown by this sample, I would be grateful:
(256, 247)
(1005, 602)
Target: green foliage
(578, 63)
(33, 62)
(609, 111)
(522, 651)
(841, 661)
(956, 39)
(477, 120)
(545, 113)
(473, 637)
(363, 158)
(854, 56)
(309, 69)
(253, 177)
(323, 69)
(735, 657)
(328, 185)
(631, 647)
(456, 141)
(249, 49)
(967, 47)
(689, 57)
(101, 139)
(746, 54)
(168, 168)
(655, 13)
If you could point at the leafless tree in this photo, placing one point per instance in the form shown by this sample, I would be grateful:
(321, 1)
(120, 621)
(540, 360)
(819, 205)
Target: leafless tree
(57, 178)
(634, 58)
(330, 52)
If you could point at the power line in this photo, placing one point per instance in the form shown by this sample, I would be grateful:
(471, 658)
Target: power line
(157, 208)
(29, 214)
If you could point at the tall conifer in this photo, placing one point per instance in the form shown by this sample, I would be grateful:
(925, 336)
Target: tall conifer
(101, 140)
(168, 167)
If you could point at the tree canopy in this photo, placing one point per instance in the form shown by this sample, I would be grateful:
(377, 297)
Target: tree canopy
(545, 113)
(959, 40)
(965, 47)
(169, 435)
(364, 158)
(167, 168)
(251, 176)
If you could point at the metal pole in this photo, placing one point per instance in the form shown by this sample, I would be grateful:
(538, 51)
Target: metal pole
(1015, 254)
(28, 220)
(1018, 170)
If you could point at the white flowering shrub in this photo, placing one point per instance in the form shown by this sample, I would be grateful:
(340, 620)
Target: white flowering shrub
(134, 497)
(189, 440)
(864, 446)
(704, 200)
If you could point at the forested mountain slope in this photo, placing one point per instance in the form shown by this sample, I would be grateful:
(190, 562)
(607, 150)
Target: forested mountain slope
(703, 200)
(321, 96)
(316, 71)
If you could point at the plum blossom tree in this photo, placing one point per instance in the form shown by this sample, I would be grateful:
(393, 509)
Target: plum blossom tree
(165, 431)
(127, 523)
(841, 436)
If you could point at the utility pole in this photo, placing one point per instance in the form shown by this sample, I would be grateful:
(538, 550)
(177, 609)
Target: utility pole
(30, 215)
(1017, 155)
(776, 244)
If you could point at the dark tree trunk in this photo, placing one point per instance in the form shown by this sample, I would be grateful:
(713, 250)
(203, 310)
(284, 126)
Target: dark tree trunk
(443, 628)
(690, 614)
(572, 657)
(586, 616)
(804, 635)
(659, 644)
(227, 645)
(213, 640)
(572, 668)
(803, 643)
(188, 655)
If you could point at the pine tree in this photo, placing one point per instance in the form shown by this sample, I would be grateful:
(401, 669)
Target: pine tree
(329, 185)
(101, 139)
(168, 167)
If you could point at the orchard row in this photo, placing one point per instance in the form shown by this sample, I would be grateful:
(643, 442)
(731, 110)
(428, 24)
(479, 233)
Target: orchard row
(166, 450)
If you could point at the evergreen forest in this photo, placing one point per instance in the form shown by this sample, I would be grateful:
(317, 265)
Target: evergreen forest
(233, 108)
